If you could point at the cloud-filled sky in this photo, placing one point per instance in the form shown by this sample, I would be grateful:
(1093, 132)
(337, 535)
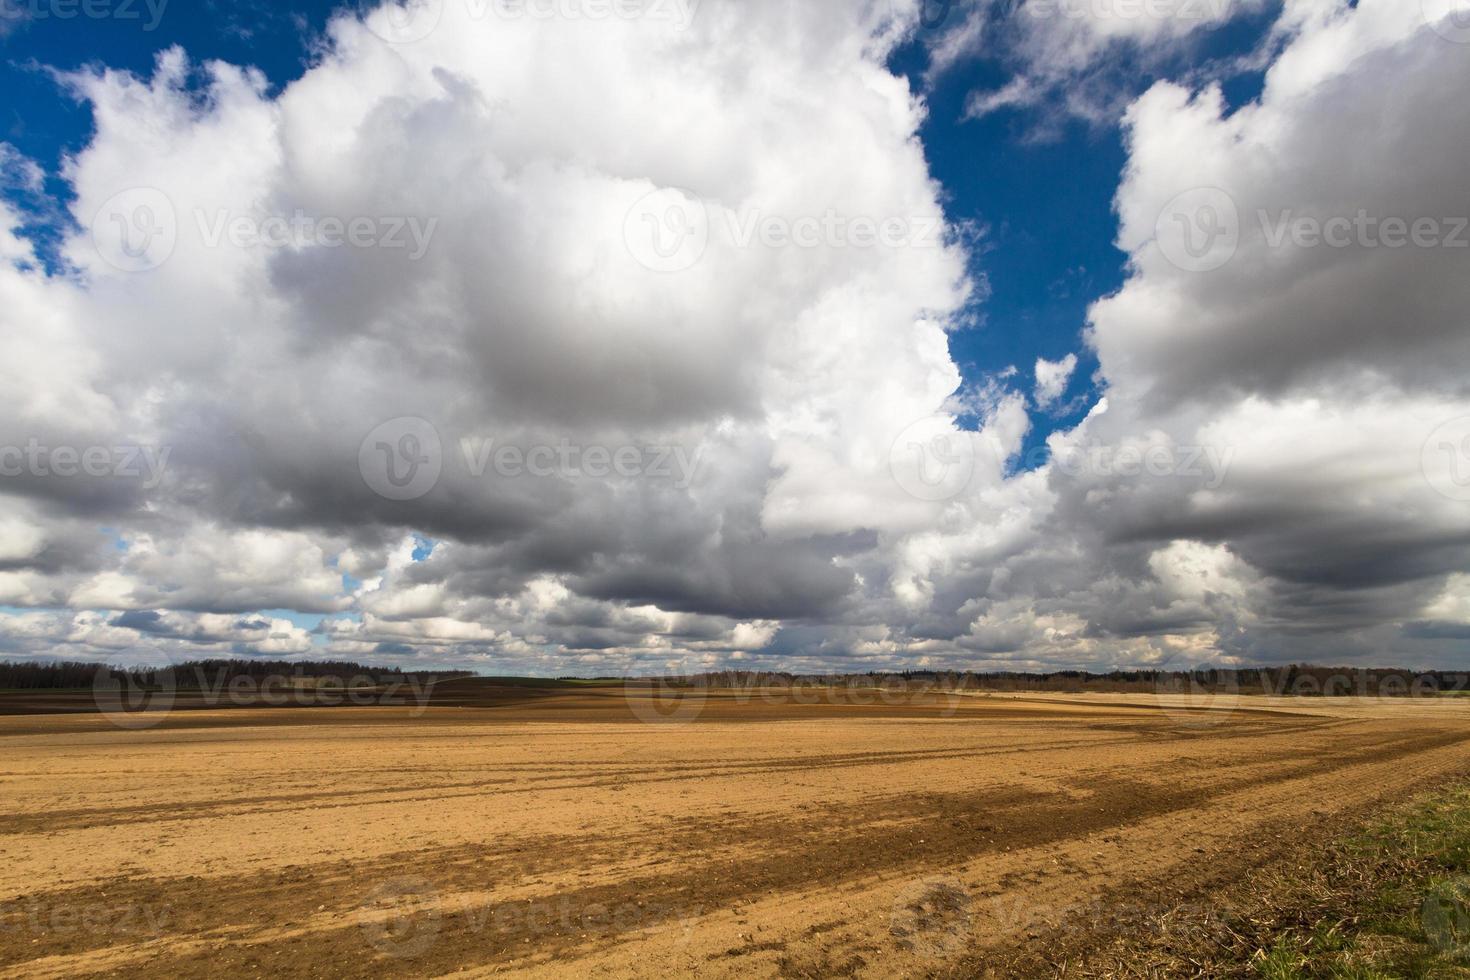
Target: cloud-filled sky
(608, 336)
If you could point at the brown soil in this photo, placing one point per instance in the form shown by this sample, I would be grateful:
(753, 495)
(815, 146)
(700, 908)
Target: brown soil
(558, 832)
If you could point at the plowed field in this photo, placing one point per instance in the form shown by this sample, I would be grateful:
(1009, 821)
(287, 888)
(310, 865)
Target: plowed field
(563, 833)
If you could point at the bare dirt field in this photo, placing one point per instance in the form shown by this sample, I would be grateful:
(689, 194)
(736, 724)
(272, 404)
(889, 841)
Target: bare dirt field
(559, 833)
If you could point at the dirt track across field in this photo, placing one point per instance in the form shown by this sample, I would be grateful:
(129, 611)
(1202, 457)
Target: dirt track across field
(563, 833)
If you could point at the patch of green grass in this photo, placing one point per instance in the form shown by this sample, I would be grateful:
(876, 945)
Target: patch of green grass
(1283, 961)
(1405, 903)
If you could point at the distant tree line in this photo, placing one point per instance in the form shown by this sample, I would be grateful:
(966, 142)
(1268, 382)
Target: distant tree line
(46, 676)
(1300, 680)
(209, 674)
(1294, 679)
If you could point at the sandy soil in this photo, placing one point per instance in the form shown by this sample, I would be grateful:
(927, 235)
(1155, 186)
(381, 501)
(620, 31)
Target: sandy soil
(563, 834)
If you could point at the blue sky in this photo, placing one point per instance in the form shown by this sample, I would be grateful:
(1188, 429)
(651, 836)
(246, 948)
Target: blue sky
(1041, 184)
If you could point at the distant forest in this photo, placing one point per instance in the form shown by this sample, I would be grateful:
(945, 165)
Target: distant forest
(211, 674)
(1295, 679)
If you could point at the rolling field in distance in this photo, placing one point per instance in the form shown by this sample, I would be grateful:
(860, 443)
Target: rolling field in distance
(546, 831)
